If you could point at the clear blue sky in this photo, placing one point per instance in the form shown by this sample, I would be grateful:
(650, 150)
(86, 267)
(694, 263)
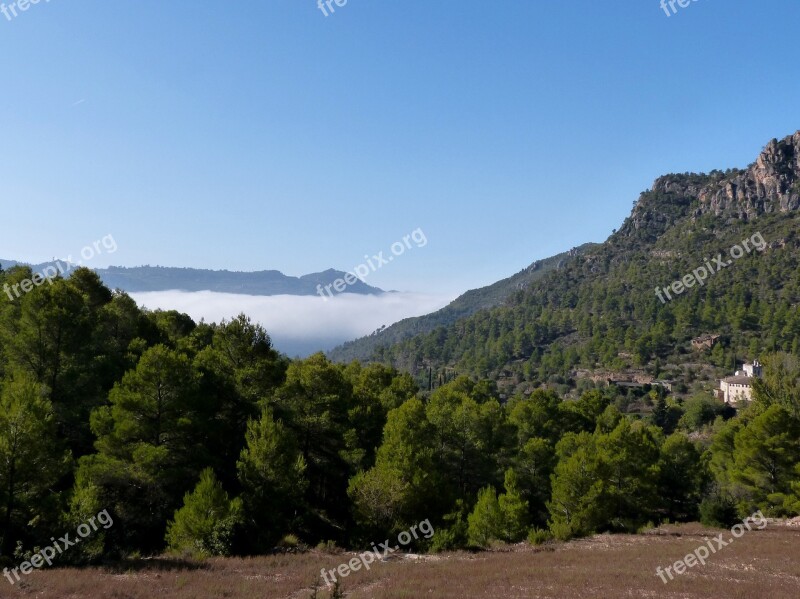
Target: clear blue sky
(261, 134)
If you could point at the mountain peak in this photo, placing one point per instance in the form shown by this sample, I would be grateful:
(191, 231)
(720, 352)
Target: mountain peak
(770, 184)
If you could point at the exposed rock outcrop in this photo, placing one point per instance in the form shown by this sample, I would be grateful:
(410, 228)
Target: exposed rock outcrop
(770, 184)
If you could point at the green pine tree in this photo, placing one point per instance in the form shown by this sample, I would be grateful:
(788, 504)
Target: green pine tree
(207, 522)
(514, 510)
(32, 459)
(485, 523)
(272, 473)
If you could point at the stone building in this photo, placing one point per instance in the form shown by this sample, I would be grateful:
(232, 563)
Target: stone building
(705, 342)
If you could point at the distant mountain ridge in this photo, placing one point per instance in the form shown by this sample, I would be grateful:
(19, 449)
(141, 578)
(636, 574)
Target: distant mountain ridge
(463, 306)
(266, 282)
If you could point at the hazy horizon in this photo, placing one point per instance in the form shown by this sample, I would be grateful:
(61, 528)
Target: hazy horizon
(300, 325)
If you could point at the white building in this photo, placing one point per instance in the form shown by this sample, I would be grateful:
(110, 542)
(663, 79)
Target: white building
(738, 389)
(752, 370)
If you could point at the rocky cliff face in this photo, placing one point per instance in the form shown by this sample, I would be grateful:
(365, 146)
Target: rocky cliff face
(770, 184)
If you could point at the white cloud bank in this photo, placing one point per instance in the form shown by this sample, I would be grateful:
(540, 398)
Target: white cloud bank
(300, 325)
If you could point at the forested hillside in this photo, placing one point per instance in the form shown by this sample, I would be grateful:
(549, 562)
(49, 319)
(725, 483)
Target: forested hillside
(203, 440)
(463, 306)
(601, 310)
(200, 439)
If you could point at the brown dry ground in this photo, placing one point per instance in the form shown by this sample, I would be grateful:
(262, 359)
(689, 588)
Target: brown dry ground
(762, 564)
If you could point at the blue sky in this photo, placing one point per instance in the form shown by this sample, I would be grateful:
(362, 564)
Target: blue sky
(262, 134)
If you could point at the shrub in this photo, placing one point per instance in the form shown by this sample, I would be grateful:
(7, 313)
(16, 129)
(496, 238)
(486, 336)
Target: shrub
(562, 530)
(718, 511)
(329, 547)
(514, 510)
(539, 536)
(291, 544)
(454, 536)
(503, 518)
(485, 523)
(207, 522)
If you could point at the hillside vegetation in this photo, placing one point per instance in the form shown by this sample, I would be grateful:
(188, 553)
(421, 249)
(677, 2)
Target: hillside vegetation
(601, 310)
(465, 305)
(201, 440)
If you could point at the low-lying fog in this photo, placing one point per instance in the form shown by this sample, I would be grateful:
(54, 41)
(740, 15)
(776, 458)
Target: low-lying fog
(300, 325)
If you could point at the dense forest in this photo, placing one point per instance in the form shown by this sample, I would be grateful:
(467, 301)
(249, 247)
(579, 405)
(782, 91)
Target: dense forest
(599, 310)
(464, 306)
(203, 440)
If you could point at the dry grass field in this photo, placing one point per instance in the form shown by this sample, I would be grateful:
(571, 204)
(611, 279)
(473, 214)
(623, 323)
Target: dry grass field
(762, 564)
